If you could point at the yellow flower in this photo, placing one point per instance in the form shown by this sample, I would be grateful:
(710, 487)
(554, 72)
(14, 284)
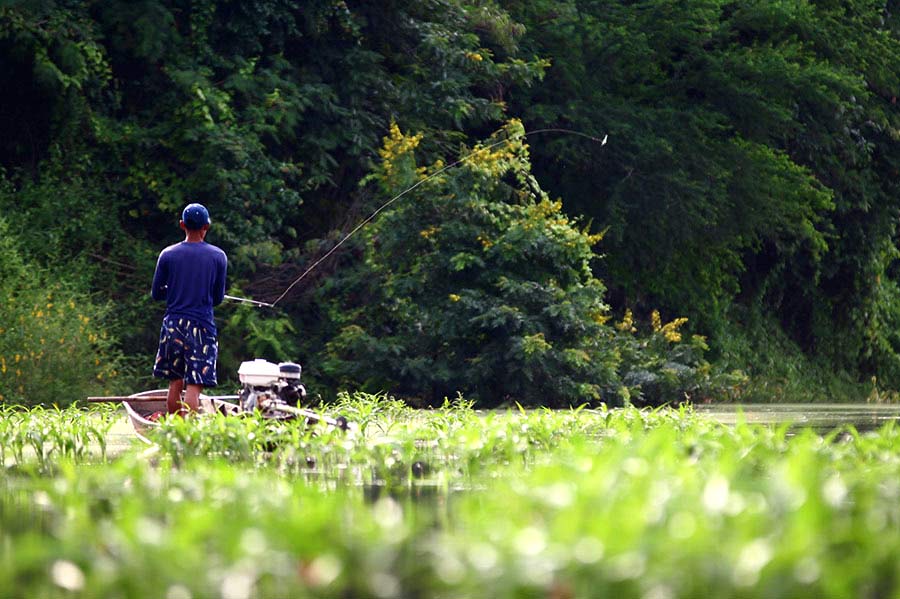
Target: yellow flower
(599, 317)
(673, 336)
(627, 324)
(670, 330)
(453, 297)
(655, 321)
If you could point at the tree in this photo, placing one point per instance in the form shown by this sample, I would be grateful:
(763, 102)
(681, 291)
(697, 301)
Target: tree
(477, 283)
(268, 111)
(750, 159)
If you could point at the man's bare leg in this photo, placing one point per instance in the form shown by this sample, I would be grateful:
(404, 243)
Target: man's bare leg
(173, 399)
(192, 397)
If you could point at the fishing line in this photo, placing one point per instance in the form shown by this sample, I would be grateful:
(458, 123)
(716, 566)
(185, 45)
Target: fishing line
(372, 216)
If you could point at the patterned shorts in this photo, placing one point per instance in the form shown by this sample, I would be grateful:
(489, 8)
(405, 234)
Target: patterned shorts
(187, 350)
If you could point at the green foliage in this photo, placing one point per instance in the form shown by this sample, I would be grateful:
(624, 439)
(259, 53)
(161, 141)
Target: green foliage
(54, 344)
(249, 333)
(55, 68)
(752, 162)
(659, 366)
(266, 111)
(690, 181)
(452, 502)
(878, 319)
(777, 368)
(478, 283)
(752, 157)
(233, 117)
(473, 285)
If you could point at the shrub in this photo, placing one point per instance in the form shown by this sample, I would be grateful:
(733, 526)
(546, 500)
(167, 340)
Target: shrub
(475, 283)
(665, 365)
(478, 283)
(54, 347)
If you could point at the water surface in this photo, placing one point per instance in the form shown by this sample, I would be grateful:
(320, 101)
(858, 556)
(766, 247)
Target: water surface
(821, 417)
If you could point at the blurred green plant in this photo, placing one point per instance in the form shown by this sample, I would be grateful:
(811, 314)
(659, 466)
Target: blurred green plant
(455, 502)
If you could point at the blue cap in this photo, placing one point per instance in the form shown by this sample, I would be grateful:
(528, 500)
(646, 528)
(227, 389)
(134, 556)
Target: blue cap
(195, 216)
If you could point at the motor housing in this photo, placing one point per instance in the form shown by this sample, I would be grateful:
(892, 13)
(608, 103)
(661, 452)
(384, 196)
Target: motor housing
(264, 382)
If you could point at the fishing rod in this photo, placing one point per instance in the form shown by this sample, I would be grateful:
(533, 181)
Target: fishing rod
(244, 300)
(372, 216)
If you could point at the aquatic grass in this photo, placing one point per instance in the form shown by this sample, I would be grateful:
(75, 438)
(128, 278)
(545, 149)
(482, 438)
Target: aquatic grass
(621, 503)
(398, 445)
(458, 503)
(376, 409)
(233, 439)
(638, 518)
(39, 436)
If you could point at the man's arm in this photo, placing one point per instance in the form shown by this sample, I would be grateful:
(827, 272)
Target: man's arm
(218, 291)
(159, 290)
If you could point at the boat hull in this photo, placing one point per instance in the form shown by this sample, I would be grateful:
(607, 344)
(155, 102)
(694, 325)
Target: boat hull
(143, 408)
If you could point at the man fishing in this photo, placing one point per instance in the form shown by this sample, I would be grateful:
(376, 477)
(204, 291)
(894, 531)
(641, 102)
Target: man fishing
(190, 277)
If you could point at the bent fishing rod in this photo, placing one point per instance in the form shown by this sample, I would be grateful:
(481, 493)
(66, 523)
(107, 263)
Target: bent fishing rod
(384, 206)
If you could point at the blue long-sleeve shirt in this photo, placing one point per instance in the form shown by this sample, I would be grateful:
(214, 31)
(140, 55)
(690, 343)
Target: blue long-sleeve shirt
(190, 277)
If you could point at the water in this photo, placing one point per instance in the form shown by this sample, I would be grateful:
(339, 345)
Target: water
(820, 417)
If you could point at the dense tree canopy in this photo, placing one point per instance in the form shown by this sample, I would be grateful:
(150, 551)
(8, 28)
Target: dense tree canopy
(749, 183)
(753, 157)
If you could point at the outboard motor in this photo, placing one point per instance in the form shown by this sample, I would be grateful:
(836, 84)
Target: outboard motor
(264, 382)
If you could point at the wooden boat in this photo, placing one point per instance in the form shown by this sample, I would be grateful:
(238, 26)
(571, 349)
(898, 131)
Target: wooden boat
(145, 407)
(142, 409)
